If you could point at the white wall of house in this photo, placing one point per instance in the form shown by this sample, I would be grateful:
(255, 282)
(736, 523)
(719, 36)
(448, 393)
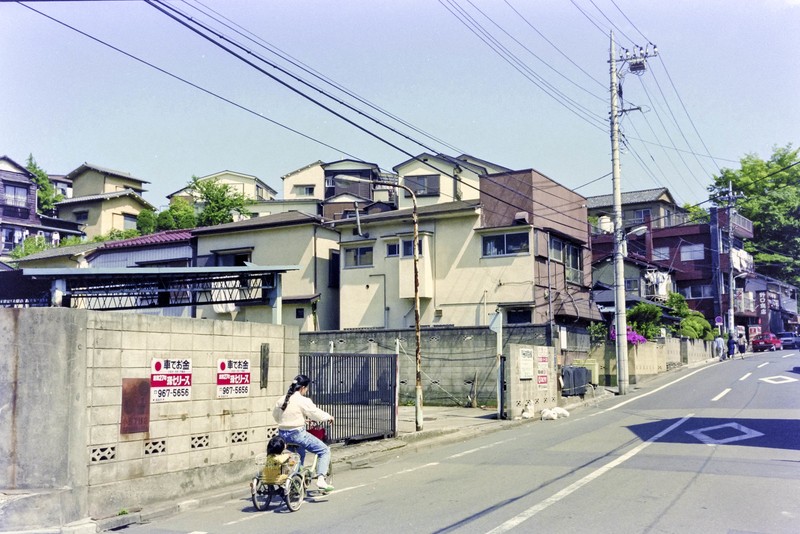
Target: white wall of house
(458, 284)
(450, 189)
(306, 245)
(305, 183)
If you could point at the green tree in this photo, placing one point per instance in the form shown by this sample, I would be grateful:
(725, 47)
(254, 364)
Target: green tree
(693, 324)
(182, 213)
(645, 318)
(48, 195)
(697, 214)
(146, 222)
(771, 199)
(30, 245)
(165, 221)
(219, 201)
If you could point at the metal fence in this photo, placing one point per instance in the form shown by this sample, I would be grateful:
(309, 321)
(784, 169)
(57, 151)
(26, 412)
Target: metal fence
(359, 390)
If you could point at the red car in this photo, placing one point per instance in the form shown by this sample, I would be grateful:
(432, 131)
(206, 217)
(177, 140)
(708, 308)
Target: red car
(766, 341)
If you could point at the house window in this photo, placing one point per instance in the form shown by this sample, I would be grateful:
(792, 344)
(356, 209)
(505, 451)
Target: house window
(518, 316)
(427, 185)
(392, 249)
(358, 257)
(232, 259)
(697, 292)
(661, 254)
(640, 216)
(572, 263)
(16, 196)
(299, 313)
(408, 247)
(631, 285)
(81, 216)
(692, 252)
(128, 222)
(505, 244)
(556, 250)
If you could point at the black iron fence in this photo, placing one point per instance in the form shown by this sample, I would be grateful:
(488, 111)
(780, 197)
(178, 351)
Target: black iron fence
(359, 390)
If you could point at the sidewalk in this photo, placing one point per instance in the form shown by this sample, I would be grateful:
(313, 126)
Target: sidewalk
(441, 425)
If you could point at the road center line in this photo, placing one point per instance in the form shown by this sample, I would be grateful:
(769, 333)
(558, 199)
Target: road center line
(762, 365)
(643, 395)
(745, 377)
(789, 355)
(718, 397)
(242, 520)
(495, 444)
(403, 472)
(532, 511)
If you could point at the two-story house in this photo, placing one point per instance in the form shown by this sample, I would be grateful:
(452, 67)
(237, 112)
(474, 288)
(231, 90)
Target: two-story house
(250, 187)
(18, 216)
(310, 295)
(103, 200)
(698, 255)
(520, 246)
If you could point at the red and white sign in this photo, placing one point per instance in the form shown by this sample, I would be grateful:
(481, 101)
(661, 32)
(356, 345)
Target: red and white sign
(170, 379)
(233, 378)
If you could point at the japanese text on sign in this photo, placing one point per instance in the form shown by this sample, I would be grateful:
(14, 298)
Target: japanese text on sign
(170, 379)
(233, 378)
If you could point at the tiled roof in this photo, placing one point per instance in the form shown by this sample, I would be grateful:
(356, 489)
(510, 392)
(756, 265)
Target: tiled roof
(58, 252)
(104, 170)
(159, 238)
(104, 196)
(432, 210)
(631, 197)
(278, 219)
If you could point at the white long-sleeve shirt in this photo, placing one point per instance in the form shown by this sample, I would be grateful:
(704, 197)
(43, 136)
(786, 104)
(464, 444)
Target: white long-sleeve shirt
(298, 410)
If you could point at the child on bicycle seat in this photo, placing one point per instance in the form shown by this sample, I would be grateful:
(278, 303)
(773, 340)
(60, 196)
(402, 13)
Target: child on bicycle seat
(280, 463)
(291, 413)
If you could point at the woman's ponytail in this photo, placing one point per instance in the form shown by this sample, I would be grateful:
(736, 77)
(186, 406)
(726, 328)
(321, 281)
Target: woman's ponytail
(298, 382)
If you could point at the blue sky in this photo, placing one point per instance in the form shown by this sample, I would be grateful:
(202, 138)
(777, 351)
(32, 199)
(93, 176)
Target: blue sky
(725, 84)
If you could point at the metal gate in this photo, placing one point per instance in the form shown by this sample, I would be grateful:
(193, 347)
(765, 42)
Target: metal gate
(359, 390)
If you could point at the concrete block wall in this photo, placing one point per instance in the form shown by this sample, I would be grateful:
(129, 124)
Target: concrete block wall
(61, 376)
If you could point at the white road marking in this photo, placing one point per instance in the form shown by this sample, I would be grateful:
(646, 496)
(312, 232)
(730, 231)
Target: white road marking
(654, 391)
(342, 490)
(745, 377)
(242, 520)
(403, 472)
(532, 511)
(495, 444)
(718, 397)
(789, 355)
(762, 365)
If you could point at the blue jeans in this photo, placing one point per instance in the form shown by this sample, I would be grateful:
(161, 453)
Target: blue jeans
(311, 443)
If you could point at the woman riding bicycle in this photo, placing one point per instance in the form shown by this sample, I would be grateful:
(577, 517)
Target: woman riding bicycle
(291, 413)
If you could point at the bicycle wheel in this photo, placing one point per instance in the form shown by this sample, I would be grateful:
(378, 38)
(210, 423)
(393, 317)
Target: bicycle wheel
(262, 495)
(296, 492)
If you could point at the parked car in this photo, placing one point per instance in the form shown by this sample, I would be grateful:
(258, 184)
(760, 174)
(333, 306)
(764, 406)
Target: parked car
(789, 340)
(766, 341)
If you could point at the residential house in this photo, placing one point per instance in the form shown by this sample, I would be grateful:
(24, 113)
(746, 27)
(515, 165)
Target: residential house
(72, 256)
(698, 255)
(251, 187)
(310, 295)
(771, 305)
(103, 200)
(18, 216)
(644, 282)
(520, 247)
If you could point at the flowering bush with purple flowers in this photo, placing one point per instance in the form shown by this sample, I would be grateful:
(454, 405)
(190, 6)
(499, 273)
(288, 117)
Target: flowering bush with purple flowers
(633, 336)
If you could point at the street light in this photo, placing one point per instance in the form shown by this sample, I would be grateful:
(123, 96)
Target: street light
(343, 178)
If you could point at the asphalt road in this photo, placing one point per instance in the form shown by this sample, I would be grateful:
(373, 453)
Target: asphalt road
(714, 449)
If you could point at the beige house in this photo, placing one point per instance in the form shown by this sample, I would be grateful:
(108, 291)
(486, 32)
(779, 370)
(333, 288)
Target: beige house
(521, 248)
(103, 200)
(309, 295)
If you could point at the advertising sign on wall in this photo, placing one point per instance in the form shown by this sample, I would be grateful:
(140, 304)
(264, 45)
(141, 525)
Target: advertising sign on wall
(233, 378)
(170, 380)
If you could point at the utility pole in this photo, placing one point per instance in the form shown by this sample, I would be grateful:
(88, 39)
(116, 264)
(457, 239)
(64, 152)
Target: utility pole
(636, 65)
(731, 200)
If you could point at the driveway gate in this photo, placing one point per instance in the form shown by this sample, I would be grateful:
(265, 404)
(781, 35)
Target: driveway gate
(359, 390)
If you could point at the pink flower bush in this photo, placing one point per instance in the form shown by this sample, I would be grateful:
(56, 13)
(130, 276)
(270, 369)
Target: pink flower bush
(633, 336)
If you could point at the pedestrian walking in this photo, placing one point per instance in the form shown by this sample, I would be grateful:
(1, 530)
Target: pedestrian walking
(731, 346)
(718, 347)
(742, 342)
